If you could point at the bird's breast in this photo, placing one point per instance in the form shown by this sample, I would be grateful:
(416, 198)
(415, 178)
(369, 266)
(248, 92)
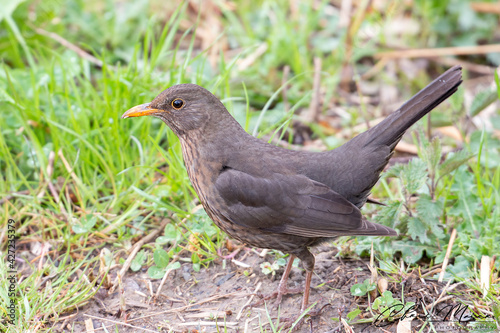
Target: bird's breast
(202, 170)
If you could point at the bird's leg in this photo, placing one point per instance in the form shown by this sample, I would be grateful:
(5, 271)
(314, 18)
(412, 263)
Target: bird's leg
(305, 302)
(282, 287)
(307, 289)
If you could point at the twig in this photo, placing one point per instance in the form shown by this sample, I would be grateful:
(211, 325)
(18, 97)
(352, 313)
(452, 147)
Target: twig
(244, 63)
(13, 195)
(43, 252)
(440, 300)
(477, 68)
(89, 325)
(431, 306)
(135, 250)
(118, 323)
(485, 273)
(263, 254)
(208, 323)
(486, 7)
(314, 107)
(404, 147)
(210, 299)
(208, 314)
(436, 270)
(447, 256)
(249, 300)
(207, 300)
(164, 278)
(439, 52)
(345, 14)
(239, 263)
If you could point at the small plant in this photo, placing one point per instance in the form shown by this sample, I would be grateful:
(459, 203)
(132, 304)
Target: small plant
(268, 268)
(162, 264)
(389, 308)
(361, 289)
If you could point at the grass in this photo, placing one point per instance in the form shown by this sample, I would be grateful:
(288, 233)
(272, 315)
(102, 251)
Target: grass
(80, 182)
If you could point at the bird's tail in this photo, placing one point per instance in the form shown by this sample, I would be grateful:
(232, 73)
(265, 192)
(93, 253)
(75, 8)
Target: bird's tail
(392, 128)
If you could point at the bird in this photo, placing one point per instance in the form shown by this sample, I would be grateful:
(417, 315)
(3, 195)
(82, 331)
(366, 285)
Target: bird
(272, 197)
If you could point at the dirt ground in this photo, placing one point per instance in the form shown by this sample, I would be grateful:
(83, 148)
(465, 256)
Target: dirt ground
(213, 299)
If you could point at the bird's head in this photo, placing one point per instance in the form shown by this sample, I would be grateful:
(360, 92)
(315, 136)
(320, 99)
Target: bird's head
(185, 108)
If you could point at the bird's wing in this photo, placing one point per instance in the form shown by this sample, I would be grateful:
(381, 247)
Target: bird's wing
(291, 204)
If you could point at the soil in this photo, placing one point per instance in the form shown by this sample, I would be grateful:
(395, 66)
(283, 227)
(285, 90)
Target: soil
(213, 299)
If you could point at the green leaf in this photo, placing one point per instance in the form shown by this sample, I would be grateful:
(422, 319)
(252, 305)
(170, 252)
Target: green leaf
(482, 100)
(429, 213)
(383, 300)
(361, 289)
(389, 215)
(203, 224)
(8, 7)
(413, 175)
(495, 121)
(156, 272)
(460, 268)
(377, 303)
(353, 314)
(431, 155)
(174, 266)
(395, 171)
(479, 247)
(437, 230)
(468, 203)
(417, 229)
(138, 261)
(428, 209)
(387, 298)
(161, 258)
(281, 262)
(268, 268)
(357, 290)
(464, 183)
(170, 235)
(84, 225)
(457, 100)
(411, 251)
(453, 161)
(5, 97)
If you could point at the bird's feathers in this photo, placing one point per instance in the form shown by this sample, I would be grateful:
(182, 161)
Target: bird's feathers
(304, 207)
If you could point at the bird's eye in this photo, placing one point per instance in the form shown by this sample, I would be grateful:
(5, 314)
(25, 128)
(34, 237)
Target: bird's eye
(177, 103)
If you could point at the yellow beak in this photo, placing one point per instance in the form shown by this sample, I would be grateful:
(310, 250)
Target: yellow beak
(139, 111)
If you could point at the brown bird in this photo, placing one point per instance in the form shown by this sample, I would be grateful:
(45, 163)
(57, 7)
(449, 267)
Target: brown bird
(271, 197)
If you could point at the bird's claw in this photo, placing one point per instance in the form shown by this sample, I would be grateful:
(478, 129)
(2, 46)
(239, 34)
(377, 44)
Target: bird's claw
(277, 294)
(295, 323)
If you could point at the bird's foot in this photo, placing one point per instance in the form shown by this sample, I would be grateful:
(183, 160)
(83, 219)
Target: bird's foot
(278, 294)
(305, 317)
(282, 291)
